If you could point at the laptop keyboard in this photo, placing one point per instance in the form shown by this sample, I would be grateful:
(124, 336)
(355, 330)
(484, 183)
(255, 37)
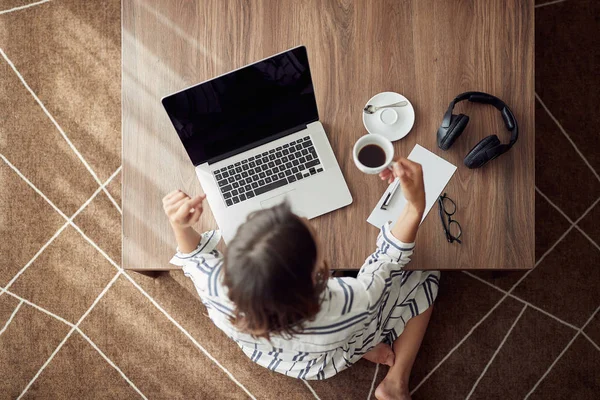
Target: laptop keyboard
(270, 170)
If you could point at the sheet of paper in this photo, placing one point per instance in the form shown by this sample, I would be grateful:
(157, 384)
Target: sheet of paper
(436, 175)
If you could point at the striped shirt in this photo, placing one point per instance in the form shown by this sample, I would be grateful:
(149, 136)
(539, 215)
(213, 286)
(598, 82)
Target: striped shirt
(356, 313)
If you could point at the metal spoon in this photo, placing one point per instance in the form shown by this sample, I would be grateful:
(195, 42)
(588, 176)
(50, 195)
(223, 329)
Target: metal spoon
(370, 109)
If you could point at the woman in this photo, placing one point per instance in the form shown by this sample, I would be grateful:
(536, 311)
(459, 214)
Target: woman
(272, 294)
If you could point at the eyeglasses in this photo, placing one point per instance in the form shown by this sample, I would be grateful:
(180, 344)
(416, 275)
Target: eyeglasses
(451, 227)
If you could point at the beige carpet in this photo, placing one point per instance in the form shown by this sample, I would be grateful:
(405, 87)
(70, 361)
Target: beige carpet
(74, 325)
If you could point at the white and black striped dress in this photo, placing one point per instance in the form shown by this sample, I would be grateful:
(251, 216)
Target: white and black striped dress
(356, 313)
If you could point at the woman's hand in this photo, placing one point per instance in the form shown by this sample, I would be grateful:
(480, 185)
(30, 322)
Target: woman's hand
(182, 210)
(410, 175)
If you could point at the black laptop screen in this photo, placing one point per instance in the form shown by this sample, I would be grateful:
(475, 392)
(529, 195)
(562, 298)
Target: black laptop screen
(245, 108)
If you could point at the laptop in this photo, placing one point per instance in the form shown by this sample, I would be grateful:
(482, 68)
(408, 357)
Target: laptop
(255, 140)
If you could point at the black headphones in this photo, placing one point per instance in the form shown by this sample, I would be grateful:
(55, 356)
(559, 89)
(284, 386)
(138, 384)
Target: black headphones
(489, 147)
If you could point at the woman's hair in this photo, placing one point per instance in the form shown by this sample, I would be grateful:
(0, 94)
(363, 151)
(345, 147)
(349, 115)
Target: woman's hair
(268, 270)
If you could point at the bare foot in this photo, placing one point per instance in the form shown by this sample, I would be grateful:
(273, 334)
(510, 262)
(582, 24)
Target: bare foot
(392, 390)
(381, 354)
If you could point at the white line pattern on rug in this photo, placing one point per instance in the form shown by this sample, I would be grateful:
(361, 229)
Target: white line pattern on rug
(311, 389)
(61, 344)
(521, 300)
(69, 219)
(23, 7)
(561, 212)
(94, 245)
(189, 336)
(111, 363)
(502, 299)
(38, 191)
(373, 382)
(578, 330)
(548, 3)
(36, 255)
(121, 270)
(83, 334)
(590, 340)
(29, 303)
(475, 326)
(561, 354)
(64, 135)
(64, 321)
(458, 344)
(567, 136)
(11, 317)
(491, 360)
(573, 225)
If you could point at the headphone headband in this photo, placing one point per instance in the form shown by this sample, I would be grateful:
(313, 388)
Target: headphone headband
(480, 97)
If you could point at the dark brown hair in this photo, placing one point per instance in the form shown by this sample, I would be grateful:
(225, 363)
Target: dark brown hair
(268, 270)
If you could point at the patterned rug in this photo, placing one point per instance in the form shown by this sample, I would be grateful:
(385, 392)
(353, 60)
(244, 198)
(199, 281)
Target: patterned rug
(74, 325)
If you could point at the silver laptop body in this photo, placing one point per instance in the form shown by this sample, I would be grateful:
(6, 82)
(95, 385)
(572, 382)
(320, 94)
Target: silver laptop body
(255, 140)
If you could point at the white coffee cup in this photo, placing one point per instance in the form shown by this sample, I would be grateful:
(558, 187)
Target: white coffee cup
(380, 141)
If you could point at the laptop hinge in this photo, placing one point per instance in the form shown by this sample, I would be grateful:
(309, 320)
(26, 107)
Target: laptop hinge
(256, 144)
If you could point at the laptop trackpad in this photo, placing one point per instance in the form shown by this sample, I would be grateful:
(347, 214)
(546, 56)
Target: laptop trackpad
(273, 201)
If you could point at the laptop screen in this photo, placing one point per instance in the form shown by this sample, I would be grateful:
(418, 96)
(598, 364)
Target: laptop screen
(244, 108)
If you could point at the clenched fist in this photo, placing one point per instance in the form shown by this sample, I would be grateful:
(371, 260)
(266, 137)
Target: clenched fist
(410, 175)
(182, 210)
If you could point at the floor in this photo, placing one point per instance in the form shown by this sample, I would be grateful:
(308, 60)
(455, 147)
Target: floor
(74, 325)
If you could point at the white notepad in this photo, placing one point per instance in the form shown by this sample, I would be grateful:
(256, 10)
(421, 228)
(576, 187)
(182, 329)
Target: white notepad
(436, 175)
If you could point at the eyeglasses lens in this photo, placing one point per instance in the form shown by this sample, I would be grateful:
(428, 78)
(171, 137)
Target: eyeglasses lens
(454, 229)
(449, 206)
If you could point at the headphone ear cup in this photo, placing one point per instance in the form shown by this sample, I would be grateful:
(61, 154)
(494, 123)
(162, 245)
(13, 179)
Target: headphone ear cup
(481, 154)
(447, 136)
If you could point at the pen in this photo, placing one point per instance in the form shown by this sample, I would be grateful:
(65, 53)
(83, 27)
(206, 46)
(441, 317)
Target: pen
(390, 194)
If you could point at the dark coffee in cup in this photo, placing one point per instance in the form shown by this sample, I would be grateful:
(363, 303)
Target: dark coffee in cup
(371, 156)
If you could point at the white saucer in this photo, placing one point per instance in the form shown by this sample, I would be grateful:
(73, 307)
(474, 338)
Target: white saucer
(395, 122)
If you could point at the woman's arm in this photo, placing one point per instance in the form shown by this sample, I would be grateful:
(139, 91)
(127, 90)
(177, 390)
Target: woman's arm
(187, 238)
(184, 211)
(407, 225)
(196, 253)
(410, 175)
(394, 246)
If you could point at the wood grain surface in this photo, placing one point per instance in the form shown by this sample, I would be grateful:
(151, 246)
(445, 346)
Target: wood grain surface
(427, 50)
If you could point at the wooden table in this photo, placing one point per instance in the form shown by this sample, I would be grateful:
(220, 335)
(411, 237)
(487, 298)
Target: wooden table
(427, 50)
